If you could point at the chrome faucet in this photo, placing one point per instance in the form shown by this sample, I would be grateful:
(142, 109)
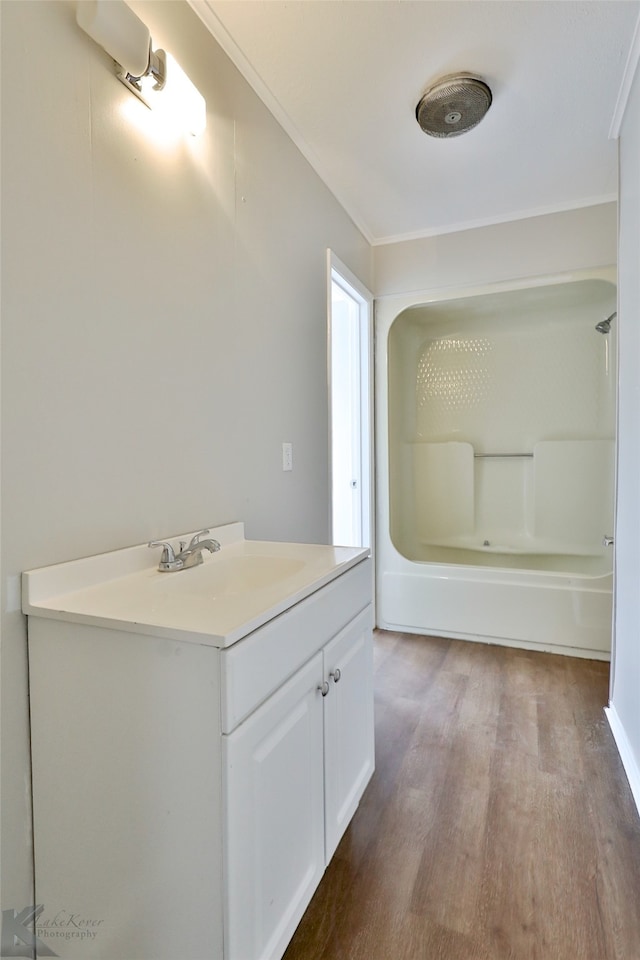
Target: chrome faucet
(188, 556)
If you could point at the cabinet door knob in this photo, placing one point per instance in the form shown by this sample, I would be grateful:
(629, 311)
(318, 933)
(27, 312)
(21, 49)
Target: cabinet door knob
(323, 687)
(335, 674)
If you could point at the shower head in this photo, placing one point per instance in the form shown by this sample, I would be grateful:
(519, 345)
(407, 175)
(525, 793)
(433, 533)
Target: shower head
(605, 325)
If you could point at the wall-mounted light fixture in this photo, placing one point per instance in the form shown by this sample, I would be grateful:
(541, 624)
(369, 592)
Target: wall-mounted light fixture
(152, 75)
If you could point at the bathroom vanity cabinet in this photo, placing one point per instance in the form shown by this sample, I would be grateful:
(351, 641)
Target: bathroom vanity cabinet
(295, 771)
(188, 790)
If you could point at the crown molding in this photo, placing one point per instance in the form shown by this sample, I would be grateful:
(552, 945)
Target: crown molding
(220, 33)
(625, 86)
(496, 221)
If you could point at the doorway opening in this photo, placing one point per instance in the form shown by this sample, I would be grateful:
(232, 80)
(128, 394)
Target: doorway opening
(350, 308)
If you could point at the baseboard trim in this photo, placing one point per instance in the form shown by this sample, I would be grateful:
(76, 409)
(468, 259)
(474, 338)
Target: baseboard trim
(629, 763)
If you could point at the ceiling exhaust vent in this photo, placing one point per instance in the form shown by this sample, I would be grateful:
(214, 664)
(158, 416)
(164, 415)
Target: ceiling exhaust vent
(453, 105)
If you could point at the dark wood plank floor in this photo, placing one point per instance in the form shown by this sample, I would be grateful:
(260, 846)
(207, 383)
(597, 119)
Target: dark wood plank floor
(499, 824)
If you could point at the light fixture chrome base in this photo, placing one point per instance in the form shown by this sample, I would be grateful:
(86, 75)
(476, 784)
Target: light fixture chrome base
(155, 75)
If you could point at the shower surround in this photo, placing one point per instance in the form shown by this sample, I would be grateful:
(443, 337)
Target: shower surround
(496, 453)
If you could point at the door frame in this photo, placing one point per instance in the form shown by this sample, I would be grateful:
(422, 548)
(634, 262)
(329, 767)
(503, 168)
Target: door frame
(338, 272)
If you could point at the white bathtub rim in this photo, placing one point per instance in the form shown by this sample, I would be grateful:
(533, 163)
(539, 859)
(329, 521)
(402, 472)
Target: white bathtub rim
(392, 561)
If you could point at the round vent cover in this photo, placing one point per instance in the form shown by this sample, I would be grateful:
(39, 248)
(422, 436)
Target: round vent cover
(453, 105)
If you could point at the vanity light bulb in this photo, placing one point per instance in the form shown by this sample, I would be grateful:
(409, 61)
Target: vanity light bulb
(179, 100)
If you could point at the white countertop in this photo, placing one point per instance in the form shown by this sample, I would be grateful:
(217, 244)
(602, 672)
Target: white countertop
(235, 591)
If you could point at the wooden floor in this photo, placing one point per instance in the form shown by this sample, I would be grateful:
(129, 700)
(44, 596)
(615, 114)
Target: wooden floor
(499, 824)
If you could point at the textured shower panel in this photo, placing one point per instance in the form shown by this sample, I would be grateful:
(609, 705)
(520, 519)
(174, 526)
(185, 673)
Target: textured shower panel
(504, 406)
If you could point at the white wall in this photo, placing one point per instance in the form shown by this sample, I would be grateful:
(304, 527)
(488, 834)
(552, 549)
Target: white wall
(625, 703)
(550, 244)
(164, 324)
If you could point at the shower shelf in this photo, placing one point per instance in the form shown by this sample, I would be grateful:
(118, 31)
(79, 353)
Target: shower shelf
(502, 456)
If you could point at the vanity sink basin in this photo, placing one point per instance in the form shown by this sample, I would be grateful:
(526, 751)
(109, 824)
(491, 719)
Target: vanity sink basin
(230, 594)
(229, 576)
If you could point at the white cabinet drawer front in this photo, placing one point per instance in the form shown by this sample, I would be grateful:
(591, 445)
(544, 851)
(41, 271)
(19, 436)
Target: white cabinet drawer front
(256, 666)
(348, 725)
(274, 843)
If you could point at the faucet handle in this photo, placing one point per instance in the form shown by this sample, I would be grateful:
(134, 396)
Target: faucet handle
(196, 537)
(168, 555)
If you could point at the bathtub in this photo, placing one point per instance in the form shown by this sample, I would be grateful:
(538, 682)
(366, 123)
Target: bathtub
(496, 411)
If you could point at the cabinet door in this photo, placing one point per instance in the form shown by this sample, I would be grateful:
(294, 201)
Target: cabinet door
(274, 843)
(348, 725)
